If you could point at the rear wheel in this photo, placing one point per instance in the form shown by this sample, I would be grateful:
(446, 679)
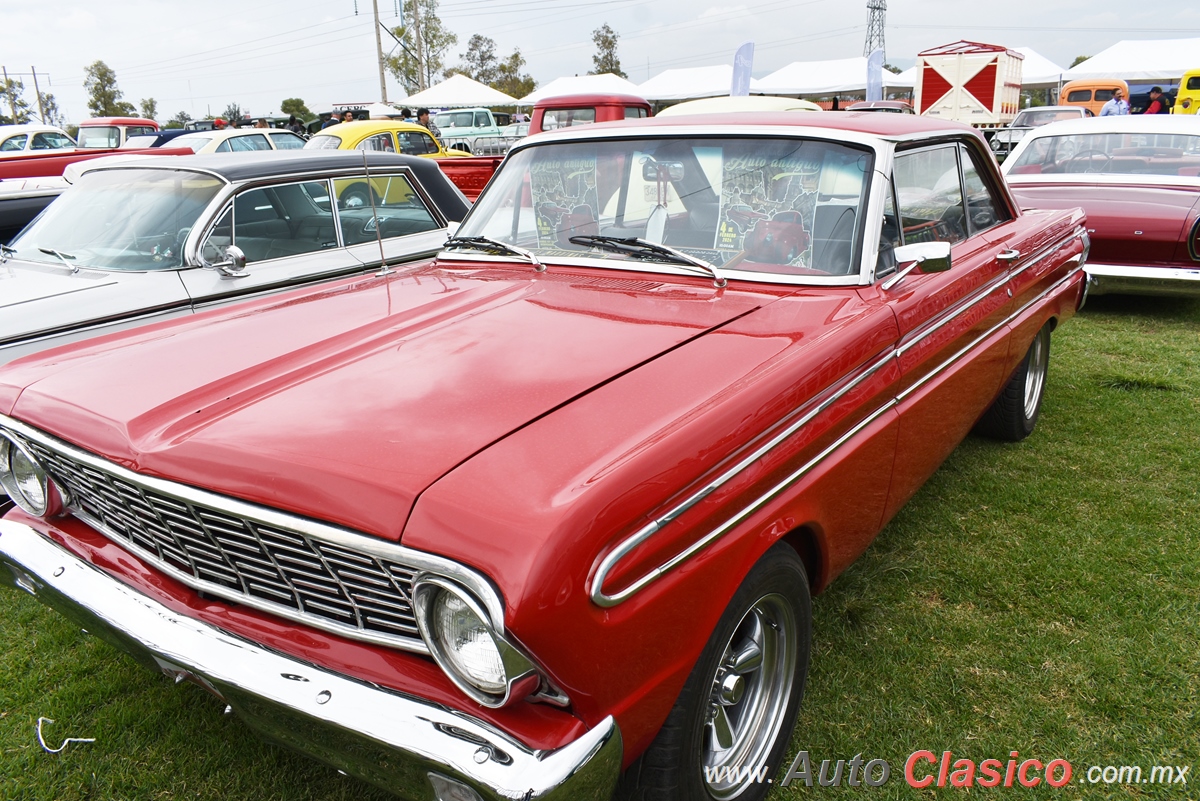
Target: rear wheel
(731, 724)
(1015, 413)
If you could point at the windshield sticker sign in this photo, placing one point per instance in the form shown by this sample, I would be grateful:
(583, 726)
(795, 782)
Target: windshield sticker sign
(767, 207)
(564, 200)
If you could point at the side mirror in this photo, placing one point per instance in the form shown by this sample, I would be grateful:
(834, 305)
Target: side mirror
(234, 265)
(928, 257)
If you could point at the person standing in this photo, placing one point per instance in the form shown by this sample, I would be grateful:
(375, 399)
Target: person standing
(334, 119)
(294, 125)
(1118, 106)
(348, 116)
(1158, 103)
(423, 119)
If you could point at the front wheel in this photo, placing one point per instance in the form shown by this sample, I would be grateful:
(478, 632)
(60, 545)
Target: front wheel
(731, 724)
(1015, 413)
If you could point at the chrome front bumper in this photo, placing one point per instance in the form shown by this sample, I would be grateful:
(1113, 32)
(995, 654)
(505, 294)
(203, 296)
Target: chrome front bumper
(415, 749)
(1115, 279)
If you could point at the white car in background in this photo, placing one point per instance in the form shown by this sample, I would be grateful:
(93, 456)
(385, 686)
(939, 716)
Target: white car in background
(239, 140)
(21, 140)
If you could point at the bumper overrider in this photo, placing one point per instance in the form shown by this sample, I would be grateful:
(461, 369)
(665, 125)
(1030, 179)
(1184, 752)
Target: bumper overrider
(414, 748)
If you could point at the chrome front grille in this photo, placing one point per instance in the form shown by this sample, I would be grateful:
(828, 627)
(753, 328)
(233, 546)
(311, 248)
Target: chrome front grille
(240, 552)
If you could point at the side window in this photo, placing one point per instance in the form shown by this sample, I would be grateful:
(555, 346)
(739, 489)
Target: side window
(929, 194)
(415, 143)
(1079, 96)
(14, 143)
(224, 147)
(382, 142)
(634, 112)
(983, 209)
(481, 119)
(287, 141)
(889, 234)
(398, 209)
(274, 222)
(247, 144)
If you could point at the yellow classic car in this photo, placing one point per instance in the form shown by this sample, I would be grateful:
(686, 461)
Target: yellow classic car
(389, 136)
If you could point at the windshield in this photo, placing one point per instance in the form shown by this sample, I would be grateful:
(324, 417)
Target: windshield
(128, 219)
(768, 206)
(99, 136)
(455, 119)
(1114, 153)
(1038, 118)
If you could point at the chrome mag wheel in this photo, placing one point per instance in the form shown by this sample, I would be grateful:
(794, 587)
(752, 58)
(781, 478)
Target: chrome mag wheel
(749, 696)
(1035, 374)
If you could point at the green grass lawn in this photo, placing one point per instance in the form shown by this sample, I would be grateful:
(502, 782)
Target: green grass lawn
(1042, 597)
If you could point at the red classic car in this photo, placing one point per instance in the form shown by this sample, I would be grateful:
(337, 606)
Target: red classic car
(1138, 180)
(540, 518)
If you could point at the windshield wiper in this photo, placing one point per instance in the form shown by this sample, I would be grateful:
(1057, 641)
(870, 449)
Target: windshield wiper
(6, 251)
(644, 249)
(493, 246)
(65, 258)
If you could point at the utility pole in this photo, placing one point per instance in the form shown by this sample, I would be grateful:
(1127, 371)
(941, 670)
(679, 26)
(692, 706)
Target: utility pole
(420, 47)
(12, 97)
(38, 92)
(875, 27)
(379, 54)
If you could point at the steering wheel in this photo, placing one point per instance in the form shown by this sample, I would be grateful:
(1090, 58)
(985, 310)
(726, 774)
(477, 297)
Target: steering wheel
(1086, 160)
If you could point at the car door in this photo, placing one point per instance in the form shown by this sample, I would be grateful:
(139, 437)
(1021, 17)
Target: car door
(288, 234)
(952, 339)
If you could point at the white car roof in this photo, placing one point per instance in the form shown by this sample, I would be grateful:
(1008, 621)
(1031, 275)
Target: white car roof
(1126, 123)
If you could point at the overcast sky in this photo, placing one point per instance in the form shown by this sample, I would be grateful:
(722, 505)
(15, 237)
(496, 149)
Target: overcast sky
(201, 55)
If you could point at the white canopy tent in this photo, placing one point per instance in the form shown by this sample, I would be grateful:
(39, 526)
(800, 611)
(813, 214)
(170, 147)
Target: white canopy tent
(460, 91)
(1147, 60)
(689, 84)
(1037, 71)
(382, 111)
(607, 84)
(843, 75)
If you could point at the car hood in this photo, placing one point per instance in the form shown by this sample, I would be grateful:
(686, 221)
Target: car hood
(344, 402)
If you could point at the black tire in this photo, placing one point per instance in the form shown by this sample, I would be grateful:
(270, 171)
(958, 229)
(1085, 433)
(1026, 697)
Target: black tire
(769, 620)
(1015, 413)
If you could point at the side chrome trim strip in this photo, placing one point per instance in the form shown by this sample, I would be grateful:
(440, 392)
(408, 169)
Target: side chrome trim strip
(322, 532)
(600, 598)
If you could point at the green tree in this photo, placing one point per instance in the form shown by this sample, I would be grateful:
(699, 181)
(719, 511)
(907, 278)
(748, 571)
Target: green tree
(149, 108)
(294, 105)
(510, 79)
(606, 59)
(232, 113)
(104, 98)
(1079, 60)
(479, 62)
(435, 41)
(53, 115)
(180, 120)
(13, 108)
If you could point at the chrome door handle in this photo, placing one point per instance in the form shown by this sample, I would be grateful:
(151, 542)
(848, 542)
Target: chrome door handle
(1008, 255)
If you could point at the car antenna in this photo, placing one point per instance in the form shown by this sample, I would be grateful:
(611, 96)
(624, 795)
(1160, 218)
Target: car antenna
(383, 265)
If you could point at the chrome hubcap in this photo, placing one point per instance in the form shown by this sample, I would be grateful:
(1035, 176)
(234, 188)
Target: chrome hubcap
(1035, 374)
(749, 696)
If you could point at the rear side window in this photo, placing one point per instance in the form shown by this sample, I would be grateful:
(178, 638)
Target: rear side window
(14, 143)
(1193, 83)
(1081, 96)
(635, 112)
(287, 141)
(388, 208)
(1105, 94)
(381, 142)
(415, 143)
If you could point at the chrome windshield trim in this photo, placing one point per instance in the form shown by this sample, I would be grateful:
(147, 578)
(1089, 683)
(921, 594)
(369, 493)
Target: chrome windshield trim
(606, 565)
(315, 530)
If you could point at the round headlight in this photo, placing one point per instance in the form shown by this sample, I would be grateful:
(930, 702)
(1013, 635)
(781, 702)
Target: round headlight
(22, 477)
(465, 641)
(996, 143)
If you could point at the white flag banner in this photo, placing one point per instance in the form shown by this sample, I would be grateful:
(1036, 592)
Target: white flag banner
(875, 75)
(743, 65)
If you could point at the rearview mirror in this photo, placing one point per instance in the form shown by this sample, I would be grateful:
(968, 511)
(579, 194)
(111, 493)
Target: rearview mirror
(928, 257)
(670, 170)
